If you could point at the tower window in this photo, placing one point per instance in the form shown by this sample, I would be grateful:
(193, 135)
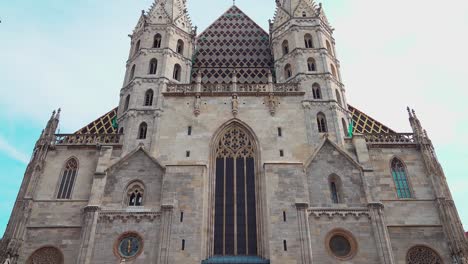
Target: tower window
(285, 245)
(132, 72)
(316, 92)
(322, 123)
(284, 216)
(180, 47)
(135, 193)
(304, 14)
(177, 70)
(311, 64)
(68, 179)
(288, 71)
(157, 41)
(281, 153)
(308, 41)
(329, 48)
(153, 67)
(285, 47)
(183, 244)
(400, 178)
(335, 189)
(142, 131)
(187, 154)
(149, 97)
(127, 103)
(189, 130)
(181, 217)
(280, 132)
(121, 131)
(137, 47)
(333, 71)
(338, 98)
(345, 127)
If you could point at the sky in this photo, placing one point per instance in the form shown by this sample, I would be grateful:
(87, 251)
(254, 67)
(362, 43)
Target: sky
(72, 54)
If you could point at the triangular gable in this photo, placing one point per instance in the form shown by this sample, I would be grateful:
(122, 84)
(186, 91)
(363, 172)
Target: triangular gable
(305, 6)
(139, 149)
(233, 42)
(158, 14)
(281, 16)
(326, 141)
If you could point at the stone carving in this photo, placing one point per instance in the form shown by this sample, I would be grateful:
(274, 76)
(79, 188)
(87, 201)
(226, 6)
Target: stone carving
(46, 255)
(125, 216)
(422, 255)
(235, 105)
(272, 103)
(197, 105)
(343, 213)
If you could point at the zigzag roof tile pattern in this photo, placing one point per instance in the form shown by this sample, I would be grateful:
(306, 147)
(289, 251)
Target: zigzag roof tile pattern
(233, 41)
(364, 124)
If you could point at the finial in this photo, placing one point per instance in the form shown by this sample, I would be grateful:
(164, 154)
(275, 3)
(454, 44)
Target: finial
(233, 2)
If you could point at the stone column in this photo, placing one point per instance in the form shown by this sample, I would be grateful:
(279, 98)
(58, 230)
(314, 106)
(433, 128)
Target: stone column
(379, 228)
(304, 232)
(88, 234)
(165, 233)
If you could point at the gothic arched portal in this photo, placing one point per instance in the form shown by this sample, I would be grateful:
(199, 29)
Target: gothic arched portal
(235, 221)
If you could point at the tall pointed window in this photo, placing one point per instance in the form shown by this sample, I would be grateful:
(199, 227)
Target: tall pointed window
(316, 91)
(180, 47)
(149, 97)
(333, 71)
(338, 98)
(157, 41)
(287, 71)
(67, 180)
(127, 103)
(132, 73)
(142, 130)
(235, 226)
(311, 64)
(329, 47)
(345, 127)
(135, 193)
(335, 189)
(137, 47)
(401, 179)
(285, 47)
(177, 70)
(322, 123)
(153, 67)
(308, 41)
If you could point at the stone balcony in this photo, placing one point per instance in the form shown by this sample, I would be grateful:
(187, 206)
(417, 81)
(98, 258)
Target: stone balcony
(226, 89)
(87, 140)
(390, 139)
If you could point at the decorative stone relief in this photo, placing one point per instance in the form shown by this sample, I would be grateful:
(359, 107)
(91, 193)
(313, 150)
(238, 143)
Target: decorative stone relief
(46, 255)
(422, 255)
(235, 105)
(197, 105)
(343, 213)
(272, 103)
(125, 216)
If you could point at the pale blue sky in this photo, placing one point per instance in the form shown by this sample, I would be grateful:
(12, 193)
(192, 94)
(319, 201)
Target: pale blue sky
(71, 54)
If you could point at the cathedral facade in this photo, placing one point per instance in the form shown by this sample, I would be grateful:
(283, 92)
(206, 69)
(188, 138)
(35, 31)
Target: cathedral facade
(234, 145)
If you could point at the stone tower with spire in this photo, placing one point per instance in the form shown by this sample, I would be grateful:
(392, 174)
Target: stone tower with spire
(236, 145)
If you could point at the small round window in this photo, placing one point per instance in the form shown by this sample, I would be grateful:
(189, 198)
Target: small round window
(341, 244)
(129, 245)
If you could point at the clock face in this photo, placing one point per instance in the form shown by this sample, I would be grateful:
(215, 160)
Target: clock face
(130, 246)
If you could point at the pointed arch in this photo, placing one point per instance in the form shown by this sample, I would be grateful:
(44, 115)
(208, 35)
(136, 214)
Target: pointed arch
(316, 91)
(422, 254)
(153, 66)
(149, 94)
(134, 194)
(287, 71)
(400, 178)
(336, 189)
(235, 161)
(137, 47)
(142, 130)
(311, 66)
(157, 41)
(127, 103)
(177, 72)
(46, 254)
(309, 44)
(132, 72)
(67, 179)
(322, 123)
(285, 47)
(338, 98)
(333, 71)
(180, 46)
(329, 47)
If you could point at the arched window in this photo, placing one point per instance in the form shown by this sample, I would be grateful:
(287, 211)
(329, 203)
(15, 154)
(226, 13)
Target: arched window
(121, 131)
(335, 189)
(329, 48)
(149, 97)
(49, 255)
(345, 127)
(400, 178)
(304, 14)
(333, 71)
(235, 203)
(322, 123)
(135, 192)
(316, 92)
(285, 47)
(157, 41)
(67, 180)
(127, 103)
(180, 47)
(153, 67)
(142, 130)
(308, 41)
(338, 98)
(287, 71)
(176, 74)
(132, 73)
(137, 47)
(311, 64)
(423, 255)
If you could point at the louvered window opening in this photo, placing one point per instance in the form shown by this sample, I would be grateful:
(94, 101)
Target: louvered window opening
(235, 230)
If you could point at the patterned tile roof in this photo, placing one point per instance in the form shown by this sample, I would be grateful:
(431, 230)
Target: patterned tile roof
(364, 124)
(233, 41)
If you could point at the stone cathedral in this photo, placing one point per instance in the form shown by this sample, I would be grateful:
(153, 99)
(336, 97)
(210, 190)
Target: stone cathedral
(234, 145)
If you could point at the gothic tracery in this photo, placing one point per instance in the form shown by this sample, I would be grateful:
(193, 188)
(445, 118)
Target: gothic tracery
(422, 255)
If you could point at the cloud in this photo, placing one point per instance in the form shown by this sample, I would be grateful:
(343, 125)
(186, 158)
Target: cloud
(13, 152)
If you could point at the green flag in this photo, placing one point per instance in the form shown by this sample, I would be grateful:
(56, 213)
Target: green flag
(351, 128)
(114, 123)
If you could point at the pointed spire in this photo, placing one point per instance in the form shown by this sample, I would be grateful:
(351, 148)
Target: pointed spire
(170, 12)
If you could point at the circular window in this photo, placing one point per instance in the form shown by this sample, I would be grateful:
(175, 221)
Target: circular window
(341, 244)
(129, 245)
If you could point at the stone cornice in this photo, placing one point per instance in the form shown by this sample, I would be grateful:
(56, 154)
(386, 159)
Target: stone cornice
(124, 216)
(356, 212)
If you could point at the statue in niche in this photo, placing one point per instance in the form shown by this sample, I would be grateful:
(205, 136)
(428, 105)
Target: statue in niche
(197, 105)
(235, 105)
